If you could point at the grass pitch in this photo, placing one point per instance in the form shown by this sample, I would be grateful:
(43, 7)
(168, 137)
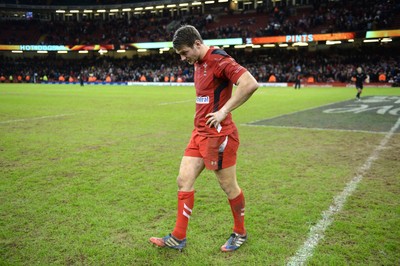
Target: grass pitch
(88, 175)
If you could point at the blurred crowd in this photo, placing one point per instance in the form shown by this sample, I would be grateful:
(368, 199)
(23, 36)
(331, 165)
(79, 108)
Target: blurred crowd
(336, 16)
(283, 65)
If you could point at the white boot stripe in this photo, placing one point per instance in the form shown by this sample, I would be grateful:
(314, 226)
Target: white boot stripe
(171, 242)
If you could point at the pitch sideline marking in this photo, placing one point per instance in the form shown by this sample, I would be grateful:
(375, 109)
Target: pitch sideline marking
(33, 118)
(320, 129)
(317, 231)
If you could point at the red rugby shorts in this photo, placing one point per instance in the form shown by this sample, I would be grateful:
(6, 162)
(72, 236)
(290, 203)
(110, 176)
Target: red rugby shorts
(217, 152)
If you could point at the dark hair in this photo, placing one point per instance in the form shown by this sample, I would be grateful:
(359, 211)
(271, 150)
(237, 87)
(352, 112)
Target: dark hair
(186, 35)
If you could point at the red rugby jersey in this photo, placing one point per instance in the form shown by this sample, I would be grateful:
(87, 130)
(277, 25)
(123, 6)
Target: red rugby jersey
(214, 77)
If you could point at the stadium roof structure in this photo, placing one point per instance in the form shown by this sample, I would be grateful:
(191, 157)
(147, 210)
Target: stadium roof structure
(44, 5)
(55, 8)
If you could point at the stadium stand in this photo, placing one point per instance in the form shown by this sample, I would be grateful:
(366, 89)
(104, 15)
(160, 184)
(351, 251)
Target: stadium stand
(328, 65)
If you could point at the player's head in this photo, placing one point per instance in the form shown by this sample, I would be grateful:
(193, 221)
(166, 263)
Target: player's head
(359, 70)
(187, 42)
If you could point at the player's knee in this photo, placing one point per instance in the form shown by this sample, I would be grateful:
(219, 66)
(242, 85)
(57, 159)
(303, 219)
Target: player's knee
(231, 189)
(184, 183)
(180, 181)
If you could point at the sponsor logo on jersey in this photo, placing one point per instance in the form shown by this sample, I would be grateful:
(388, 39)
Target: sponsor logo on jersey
(203, 100)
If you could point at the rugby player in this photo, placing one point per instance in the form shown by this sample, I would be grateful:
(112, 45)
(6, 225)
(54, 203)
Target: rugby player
(215, 140)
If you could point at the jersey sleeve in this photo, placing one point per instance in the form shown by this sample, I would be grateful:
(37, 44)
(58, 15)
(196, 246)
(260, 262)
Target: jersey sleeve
(228, 68)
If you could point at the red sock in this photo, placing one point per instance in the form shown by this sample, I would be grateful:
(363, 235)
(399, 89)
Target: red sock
(237, 207)
(185, 206)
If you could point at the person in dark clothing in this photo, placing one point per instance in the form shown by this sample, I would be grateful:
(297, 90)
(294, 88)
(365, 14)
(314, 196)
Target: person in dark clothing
(359, 78)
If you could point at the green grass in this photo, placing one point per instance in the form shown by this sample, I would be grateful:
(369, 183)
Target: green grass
(88, 174)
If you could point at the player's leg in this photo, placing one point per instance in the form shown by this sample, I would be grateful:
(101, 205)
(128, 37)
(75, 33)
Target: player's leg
(358, 93)
(228, 182)
(190, 169)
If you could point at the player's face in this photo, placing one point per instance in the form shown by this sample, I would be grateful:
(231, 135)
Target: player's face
(189, 54)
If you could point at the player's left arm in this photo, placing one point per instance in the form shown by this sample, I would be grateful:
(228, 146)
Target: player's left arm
(367, 79)
(246, 86)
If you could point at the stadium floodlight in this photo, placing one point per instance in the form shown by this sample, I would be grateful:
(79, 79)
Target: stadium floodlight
(101, 10)
(283, 45)
(256, 46)
(139, 8)
(259, 2)
(83, 51)
(269, 45)
(149, 7)
(114, 10)
(350, 40)
(60, 11)
(386, 40)
(196, 3)
(333, 42)
(226, 46)
(17, 51)
(222, 1)
(101, 51)
(41, 52)
(162, 50)
(121, 51)
(371, 40)
(184, 4)
(300, 44)
(240, 46)
(62, 52)
(160, 7)
(173, 5)
(142, 50)
(209, 2)
(87, 11)
(74, 11)
(126, 9)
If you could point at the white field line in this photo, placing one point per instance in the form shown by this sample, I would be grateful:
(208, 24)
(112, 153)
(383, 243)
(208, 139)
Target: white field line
(317, 232)
(33, 118)
(320, 129)
(177, 102)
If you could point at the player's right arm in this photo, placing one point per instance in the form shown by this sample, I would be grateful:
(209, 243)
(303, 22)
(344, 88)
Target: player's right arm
(246, 86)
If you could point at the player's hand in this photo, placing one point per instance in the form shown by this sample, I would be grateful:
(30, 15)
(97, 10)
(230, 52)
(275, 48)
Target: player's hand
(214, 119)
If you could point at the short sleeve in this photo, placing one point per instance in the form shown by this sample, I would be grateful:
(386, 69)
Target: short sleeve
(228, 68)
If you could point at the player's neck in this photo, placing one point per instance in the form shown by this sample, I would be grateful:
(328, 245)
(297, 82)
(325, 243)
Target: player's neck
(203, 51)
